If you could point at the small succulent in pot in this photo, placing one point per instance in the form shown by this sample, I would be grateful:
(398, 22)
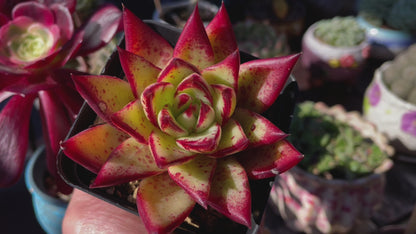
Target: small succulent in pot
(185, 123)
(335, 49)
(339, 185)
(38, 42)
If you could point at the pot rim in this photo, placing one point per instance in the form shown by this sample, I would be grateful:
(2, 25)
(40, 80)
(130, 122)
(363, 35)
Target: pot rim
(34, 172)
(378, 77)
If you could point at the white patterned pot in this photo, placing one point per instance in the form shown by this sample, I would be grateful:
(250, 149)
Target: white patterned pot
(312, 204)
(392, 115)
(333, 63)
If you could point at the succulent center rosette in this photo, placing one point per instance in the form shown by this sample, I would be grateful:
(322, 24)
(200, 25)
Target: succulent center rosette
(35, 32)
(186, 122)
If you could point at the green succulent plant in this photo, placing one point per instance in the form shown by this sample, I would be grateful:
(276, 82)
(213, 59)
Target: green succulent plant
(340, 31)
(332, 148)
(398, 14)
(400, 76)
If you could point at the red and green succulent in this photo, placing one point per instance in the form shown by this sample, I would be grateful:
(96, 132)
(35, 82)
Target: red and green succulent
(185, 122)
(37, 40)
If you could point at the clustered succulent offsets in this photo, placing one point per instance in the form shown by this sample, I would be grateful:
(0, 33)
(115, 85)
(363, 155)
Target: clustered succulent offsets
(334, 149)
(400, 76)
(340, 31)
(186, 122)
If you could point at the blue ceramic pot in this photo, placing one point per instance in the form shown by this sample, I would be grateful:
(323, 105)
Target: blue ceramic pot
(386, 43)
(49, 210)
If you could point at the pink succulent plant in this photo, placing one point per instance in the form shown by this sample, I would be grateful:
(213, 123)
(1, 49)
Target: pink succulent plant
(186, 122)
(37, 39)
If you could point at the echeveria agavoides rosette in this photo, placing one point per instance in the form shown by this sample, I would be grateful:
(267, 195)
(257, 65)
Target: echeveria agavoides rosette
(188, 122)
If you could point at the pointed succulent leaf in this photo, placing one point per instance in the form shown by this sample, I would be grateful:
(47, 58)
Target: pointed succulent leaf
(203, 142)
(260, 81)
(259, 130)
(233, 140)
(197, 87)
(130, 161)
(176, 70)
(143, 41)
(269, 160)
(225, 101)
(139, 72)
(193, 44)
(92, 147)
(195, 177)
(169, 125)
(162, 204)
(105, 94)
(156, 97)
(225, 72)
(165, 150)
(205, 118)
(221, 35)
(133, 121)
(230, 192)
(14, 129)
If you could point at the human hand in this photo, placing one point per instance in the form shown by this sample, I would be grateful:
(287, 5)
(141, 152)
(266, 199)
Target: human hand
(88, 214)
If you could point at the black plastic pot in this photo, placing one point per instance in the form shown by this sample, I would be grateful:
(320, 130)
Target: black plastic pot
(77, 176)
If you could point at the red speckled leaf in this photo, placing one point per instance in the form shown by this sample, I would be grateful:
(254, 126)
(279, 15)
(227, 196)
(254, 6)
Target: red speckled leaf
(260, 81)
(225, 72)
(259, 130)
(130, 161)
(230, 192)
(162, 204)
(105, 94)
(233, 140)
(139, 72)
(195, 177)
(193, 44)
(221, 35)
(93, 146)
(165, 150)
(269, 160)
(142, 40)
(133, 121)
(203, 142)
(224, 102)
(176, 70)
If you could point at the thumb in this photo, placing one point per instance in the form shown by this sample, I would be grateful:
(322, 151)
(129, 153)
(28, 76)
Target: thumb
(87, 214)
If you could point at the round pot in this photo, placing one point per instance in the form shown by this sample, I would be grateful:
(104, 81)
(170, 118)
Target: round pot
(385, 42)
(332, 63)
(312, 204)
(392, 115)
(49, 210)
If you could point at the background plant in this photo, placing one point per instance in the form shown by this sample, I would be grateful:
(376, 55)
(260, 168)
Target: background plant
(39, 44)
(397, 14)
(332, 148)
(340, 31)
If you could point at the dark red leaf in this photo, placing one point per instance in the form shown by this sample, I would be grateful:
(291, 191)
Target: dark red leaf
(14, 129)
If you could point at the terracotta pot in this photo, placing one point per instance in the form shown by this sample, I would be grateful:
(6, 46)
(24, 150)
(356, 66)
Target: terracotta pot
(210, 222)
(392, 115)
